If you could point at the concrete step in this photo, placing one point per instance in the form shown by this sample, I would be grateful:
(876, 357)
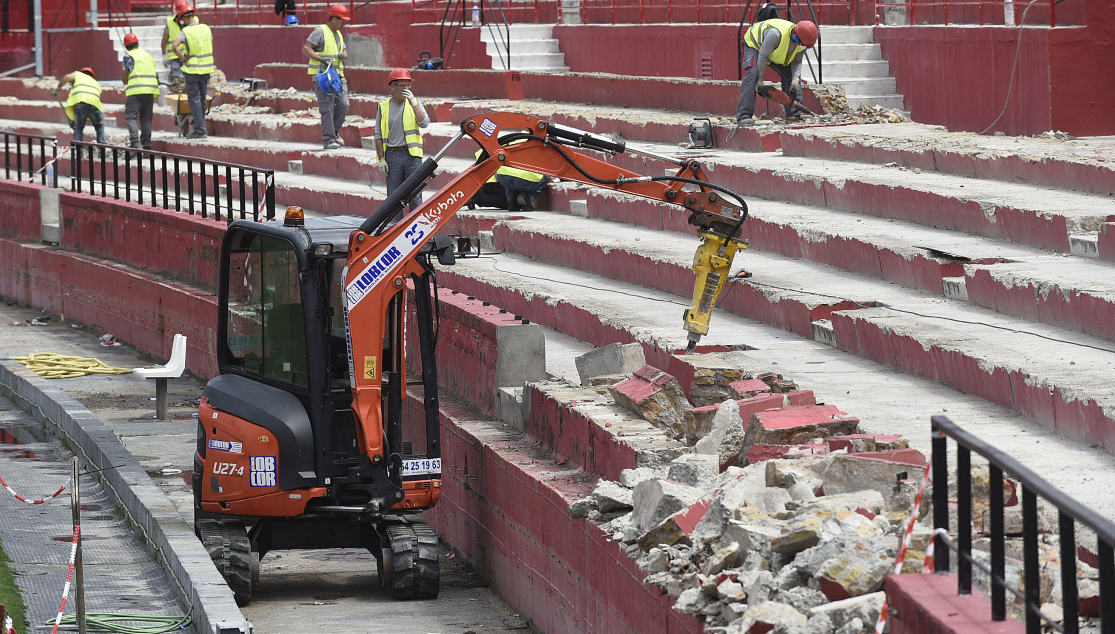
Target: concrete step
(936, 338)
(838, 71)
(886, 101)
(851, 52)
(518, 32)
(549, 45)
(855, 86)
(846, 35)
(601, 311)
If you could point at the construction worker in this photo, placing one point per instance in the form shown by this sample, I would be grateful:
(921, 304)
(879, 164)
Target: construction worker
(84, 102)
(175, 78)
(781, 44)
(285, 10)
(397, 135)
(326, 46)
(142, 88)
(195, 45)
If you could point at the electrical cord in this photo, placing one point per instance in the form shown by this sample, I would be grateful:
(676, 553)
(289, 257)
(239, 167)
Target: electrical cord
(107, 622)
(1017, 54)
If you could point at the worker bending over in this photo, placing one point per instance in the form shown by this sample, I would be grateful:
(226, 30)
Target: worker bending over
(175, 78)
(195, 45)
(326, 46)
(83, 103)
(397, 135)
(781, 44)
(142, 87)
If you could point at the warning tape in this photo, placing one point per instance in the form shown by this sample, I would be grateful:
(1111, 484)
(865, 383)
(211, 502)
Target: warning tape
(23, 499)
(9, 626)
(263, 204)
(69, 578)
(65, 148)
(907, 537)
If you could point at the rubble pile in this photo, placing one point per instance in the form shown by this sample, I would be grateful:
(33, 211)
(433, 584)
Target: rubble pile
(782, 517)
(832, 97)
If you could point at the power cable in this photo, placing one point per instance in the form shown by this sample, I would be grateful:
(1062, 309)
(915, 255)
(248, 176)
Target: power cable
(1017, 54)
(108, 622)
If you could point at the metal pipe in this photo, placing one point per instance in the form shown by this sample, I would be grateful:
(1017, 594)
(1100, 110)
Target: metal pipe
(964, 517)
(1069, 594)
(1031, 571)
(998, 550)
(940, 466)
(655, 155)
(448, 146)
(79, 569)
(38, 9)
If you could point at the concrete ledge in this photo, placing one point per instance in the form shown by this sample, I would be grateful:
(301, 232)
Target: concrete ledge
(929, 604)
(169, 539)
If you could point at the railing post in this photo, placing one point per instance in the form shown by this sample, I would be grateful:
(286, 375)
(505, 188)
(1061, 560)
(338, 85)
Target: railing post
(1031, 570)
(7, 158)
(1069, 594)
(1107, 587)
(115, 175)
(963, 518)
(998, 551)
(177, 186)
(190, 184)
(270, 194)
(940, 497)
(54, 158)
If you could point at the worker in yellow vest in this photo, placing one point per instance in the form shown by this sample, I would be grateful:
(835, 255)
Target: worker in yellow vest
(84, 103)
(324, 47)
(142, 87)
(781, 44)
(175, 78)
(397, 136)
(195, 45)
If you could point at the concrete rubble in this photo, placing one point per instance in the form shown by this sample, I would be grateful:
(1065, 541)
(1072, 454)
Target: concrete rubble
(799, 543)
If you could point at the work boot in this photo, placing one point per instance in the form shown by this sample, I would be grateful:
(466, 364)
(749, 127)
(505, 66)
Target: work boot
(745, 122)
(524, 202)
(332, 145)
(339, 141)
(195, 135)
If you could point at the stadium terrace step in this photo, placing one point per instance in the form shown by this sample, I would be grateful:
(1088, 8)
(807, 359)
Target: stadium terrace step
(601, 311)
(1086, 165)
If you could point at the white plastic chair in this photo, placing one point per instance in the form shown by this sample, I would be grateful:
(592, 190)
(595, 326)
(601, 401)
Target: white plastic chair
(172, 370)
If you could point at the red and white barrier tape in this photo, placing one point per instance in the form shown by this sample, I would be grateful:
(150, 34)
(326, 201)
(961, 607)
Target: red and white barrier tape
(65, 148)
(69, 579)
(263, 204)
(23, 499)
(927, 565)
(907, 537)
(9, 627)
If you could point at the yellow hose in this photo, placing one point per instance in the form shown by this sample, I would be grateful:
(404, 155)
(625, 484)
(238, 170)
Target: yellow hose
(51, 365)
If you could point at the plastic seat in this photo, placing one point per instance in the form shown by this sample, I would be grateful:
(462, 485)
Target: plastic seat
(172, 370)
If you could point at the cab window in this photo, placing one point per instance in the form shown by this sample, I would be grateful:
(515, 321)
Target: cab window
(266, 332)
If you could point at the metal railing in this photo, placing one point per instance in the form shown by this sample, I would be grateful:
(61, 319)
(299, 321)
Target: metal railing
(1069, 513)
(490, 15)
(511, 11)
(173, 180)
(982, 12)
(19, 158)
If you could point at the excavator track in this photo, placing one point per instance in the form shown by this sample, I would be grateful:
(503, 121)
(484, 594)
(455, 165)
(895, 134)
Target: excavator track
(227, 543)
(409, 569)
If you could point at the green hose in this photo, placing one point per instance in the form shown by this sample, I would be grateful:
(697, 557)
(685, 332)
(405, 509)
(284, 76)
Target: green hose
(105, 622)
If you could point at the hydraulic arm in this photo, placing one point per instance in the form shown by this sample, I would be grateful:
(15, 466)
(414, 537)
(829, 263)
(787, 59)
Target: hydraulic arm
(383, 255)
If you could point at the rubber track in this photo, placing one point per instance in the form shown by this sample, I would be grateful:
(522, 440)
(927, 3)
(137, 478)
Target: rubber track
(227, 543)
(414, 560)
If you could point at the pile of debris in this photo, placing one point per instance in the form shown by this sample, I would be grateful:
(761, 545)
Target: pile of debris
(832, 97)
(782, 517)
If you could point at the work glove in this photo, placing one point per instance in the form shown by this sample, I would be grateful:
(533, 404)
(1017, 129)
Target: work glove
(382, 165)
(54, 92)
(409, 96)
(795, 86)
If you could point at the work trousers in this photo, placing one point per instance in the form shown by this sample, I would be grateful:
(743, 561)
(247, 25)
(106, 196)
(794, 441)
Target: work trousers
(83, 112)
(176, 78)
(137, 112)
(515, 186)
(197, 86)
(490, 195)
(400, 165)
(753, 75)
(333, 108)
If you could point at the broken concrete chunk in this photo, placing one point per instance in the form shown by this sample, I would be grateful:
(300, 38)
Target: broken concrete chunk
(751, 537)
(690, 601)
(878, 471)
(869, 500)
(746, 388)
(798, 425)
(803, 598)
(655, 500)
(656, 396)
(704, 377)
(658, 560)
(1012, 521)
(580, 509)
(631, 477)
(801, 534)
(694, 470)
(726, 438)
(733, 611)
(610, 497)
(860, 443)
(759, 452)
(721, 559)
(855, 571)
(729, 590)
(865, 607)
(600, 384)
(614, 358)
(765, 616)
(676, 529)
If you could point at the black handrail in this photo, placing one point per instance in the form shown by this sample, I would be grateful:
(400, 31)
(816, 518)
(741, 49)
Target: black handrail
(1069, 512)
(45, 164)
(454, 20)
(170, 165)
(818, 75)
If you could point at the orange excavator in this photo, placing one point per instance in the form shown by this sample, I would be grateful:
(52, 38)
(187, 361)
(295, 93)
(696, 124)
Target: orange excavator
(300, 441)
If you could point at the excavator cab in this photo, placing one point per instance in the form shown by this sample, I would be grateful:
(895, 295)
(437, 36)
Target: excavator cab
(279, 463)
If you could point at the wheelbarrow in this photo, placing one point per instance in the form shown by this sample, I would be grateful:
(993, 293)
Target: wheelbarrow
(180, 105)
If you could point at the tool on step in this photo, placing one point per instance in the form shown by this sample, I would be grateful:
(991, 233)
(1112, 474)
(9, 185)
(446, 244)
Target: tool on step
(777, 96)
(700, 134)
(427, 62)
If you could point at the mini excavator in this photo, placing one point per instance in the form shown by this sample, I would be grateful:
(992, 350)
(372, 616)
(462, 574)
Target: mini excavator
(300, 441)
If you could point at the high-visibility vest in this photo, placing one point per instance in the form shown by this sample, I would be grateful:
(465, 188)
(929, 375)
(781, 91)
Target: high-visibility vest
(199, 50)
(533, 177)
(84, 90)
(786, 51)
(410, 126)
(330, 52)
(173, 30)
(142, 80)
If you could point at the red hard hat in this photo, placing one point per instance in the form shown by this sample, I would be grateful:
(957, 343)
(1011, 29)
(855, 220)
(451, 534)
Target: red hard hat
(339, 11)
(130, 39)
(807, 33)
(89, 71)
(182, 7)
(397, 74)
